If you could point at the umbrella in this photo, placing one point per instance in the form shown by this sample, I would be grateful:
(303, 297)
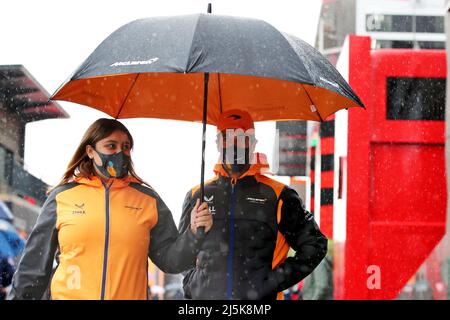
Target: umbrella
(11, 244)
(193, 67)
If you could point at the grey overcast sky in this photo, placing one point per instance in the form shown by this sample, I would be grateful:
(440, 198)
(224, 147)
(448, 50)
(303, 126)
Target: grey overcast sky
(51, 38)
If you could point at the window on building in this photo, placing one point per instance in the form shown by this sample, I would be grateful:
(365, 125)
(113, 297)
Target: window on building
(403, 23)
(394, 44)
(415, 98)
(6, 165)
(432, 44)
(430, 24)
(388, 23)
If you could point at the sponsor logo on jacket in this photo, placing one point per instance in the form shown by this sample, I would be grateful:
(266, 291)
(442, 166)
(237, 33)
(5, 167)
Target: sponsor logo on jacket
(133, 208)
(256, 200)
(211, 207)
(79, 209)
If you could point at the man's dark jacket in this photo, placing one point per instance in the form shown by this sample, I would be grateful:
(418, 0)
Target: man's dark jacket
(255, 221)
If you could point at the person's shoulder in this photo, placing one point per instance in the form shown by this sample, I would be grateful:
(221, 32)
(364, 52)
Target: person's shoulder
(57, 193)
(147, 190)
(61, 188)
(208, 183)
(277, 186)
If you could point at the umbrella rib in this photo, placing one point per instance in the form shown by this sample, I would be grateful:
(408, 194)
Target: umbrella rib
(126, 97)
(312, 103)
(192, 43)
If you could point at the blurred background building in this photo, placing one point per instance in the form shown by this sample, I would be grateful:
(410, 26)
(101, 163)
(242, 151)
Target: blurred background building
(22, 100)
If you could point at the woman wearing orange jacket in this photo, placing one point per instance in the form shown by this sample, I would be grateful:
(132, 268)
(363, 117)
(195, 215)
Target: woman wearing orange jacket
(102, 221)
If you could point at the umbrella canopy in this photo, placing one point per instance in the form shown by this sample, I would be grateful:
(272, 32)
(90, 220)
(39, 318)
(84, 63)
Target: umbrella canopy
(194, 67)
(11, 244)
(155, 68)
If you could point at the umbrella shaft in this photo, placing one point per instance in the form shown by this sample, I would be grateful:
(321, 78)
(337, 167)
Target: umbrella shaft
(201, 230)
(205, 116)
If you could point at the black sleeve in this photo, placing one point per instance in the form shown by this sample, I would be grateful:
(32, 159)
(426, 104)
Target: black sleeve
(304, 236)
(172, 252)
(185, 224)
(185, 220)
(33, 273)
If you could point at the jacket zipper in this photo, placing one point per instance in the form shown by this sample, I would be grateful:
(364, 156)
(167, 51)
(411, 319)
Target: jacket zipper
(231, 241)
(105, 253)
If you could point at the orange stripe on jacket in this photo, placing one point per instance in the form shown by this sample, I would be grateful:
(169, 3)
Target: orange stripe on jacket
(281, 248)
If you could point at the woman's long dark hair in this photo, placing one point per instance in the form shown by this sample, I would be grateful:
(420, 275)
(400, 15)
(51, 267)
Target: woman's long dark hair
(80, 165)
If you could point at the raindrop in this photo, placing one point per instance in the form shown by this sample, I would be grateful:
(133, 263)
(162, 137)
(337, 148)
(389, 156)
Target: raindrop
(303, 268)
(252, 294)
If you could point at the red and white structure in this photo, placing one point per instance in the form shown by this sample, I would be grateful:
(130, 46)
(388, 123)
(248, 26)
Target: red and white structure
(389, 198)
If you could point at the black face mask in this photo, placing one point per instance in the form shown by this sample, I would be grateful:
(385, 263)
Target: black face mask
(236, 160)
(113, 165)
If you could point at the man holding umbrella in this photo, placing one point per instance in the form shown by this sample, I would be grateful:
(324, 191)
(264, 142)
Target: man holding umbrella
(256, 221)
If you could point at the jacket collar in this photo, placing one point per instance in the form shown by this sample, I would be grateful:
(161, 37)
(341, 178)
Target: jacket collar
(94, 181)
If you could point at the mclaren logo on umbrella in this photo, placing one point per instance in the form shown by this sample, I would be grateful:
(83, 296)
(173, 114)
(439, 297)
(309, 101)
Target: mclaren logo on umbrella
(133, 63)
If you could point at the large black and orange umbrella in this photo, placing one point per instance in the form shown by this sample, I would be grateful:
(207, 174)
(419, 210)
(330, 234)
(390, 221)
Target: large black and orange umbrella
(194, 67)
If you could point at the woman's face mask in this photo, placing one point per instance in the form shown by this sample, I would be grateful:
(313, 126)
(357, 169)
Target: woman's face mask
(111, 155)
(113, 165)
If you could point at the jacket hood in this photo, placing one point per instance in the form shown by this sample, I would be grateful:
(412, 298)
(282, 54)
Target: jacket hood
(259, 166)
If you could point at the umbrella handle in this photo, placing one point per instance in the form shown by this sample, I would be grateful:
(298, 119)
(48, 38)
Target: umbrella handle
(200, 233)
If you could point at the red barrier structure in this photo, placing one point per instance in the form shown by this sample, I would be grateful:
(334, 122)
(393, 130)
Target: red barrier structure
(390, 193)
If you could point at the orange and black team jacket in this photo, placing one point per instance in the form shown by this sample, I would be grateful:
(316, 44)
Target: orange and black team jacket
(103, 237)
(255, 221)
